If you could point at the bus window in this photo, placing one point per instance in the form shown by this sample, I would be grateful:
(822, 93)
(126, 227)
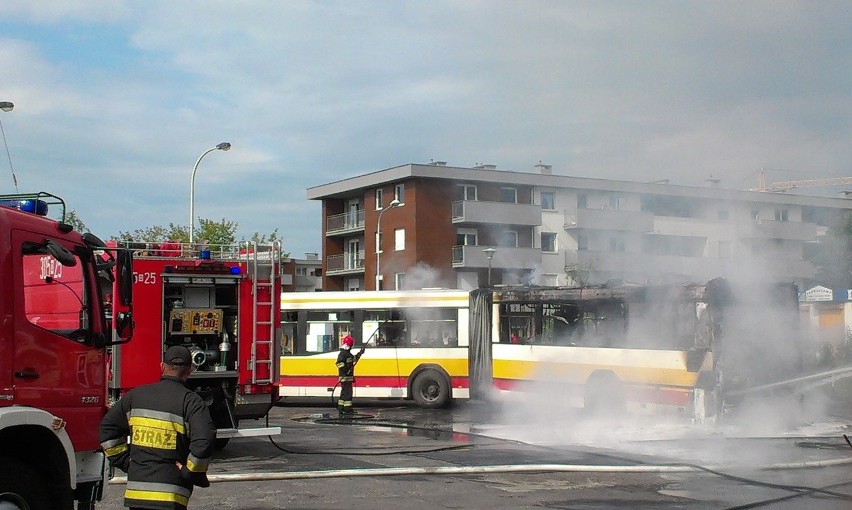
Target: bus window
(383, 328)
(433, 327)
(326, 329)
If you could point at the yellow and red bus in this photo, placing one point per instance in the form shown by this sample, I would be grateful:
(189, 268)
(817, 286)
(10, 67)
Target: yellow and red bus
(416, 343)
(599, 347)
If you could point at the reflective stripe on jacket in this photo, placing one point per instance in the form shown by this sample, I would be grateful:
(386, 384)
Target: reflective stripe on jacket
(167, 423)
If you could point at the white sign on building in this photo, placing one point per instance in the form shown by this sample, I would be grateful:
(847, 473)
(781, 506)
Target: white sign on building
(819, 293)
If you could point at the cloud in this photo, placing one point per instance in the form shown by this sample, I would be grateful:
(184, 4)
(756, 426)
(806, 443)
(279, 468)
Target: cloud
(116, 100)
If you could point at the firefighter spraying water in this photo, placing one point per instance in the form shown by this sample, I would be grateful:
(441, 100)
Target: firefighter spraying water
(346, 362)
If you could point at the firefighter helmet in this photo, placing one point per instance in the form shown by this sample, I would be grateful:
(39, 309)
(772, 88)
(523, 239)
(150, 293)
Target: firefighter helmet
(348, 341)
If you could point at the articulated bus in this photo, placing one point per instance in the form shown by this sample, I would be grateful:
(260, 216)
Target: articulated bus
(601, 347)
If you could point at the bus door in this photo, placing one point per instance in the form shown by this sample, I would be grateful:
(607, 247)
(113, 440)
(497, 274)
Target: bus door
(383, 334)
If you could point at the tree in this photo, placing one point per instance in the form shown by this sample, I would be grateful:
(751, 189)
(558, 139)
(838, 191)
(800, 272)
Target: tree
(73, 219)
(210, 232)
(265, 239)
(155, 234)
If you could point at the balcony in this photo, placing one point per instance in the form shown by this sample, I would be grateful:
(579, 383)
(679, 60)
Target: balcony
(344, 224)
(788, 230)
(501, 213)
(610, 219)
(472, 257)
(348, 263)
(655, 267)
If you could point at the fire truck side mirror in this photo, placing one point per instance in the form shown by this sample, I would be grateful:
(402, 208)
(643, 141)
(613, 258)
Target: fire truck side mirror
(122, 308)
(124, 261)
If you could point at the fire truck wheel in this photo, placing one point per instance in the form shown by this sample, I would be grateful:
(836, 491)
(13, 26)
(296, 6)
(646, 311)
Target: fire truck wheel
(21, 488)
(430, 389)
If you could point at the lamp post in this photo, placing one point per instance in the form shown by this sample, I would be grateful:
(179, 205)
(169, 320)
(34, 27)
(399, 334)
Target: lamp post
(394, 203)
(489, 254)
(7, 106)
(221, 147)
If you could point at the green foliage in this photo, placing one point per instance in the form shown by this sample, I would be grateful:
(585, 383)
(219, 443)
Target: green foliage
(221, 232)
(73, 219)
(216, 232)
(156, 234)
(259, 238)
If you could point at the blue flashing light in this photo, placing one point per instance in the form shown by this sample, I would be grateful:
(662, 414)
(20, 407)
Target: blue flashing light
(235, 269)
(38, 207)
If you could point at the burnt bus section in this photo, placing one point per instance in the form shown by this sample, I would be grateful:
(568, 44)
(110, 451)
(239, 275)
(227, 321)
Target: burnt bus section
(759, 340)
(734, 336)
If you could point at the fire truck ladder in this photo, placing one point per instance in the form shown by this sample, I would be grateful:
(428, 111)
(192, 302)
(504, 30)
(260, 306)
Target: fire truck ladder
(265, 267)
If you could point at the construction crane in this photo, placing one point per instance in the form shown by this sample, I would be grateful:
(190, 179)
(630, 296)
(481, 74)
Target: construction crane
(783, 186)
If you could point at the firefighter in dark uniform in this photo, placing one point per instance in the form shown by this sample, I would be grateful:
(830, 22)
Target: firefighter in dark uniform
(172, 438)
(346, 373)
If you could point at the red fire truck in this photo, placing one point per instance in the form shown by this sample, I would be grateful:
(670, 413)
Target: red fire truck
(222, 303)
(56, 325)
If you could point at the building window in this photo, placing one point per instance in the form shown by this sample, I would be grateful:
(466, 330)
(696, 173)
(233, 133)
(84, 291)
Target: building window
(782, 215)
(378, 198)
(399, 239)
(548, 242)
(755, 214)
(509, 195)
(378, 242)
(301, 271)
(616, 202)
(509, 239)
(353, 284)
(582, 201)
(616, 244)
(582, 242)
(466, 237)
(399, 192)
(398, 281)
(547, 201)
(466, 192)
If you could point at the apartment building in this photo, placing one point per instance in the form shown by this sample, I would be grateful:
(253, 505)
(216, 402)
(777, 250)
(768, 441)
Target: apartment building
(302, 275)
(432, 225)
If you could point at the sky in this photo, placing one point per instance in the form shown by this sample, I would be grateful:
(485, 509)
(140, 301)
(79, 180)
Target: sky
(116, 100)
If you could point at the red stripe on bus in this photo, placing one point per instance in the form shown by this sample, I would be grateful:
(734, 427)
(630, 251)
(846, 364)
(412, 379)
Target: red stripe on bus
(319, 381)
(664, 396)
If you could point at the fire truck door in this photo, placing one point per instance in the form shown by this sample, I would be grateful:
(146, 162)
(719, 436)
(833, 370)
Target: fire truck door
(54, 364)
(6, 341)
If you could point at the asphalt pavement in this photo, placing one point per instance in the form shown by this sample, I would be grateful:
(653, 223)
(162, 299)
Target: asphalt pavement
(393, 455)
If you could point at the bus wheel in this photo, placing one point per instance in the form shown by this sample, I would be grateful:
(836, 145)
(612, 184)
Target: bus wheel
(604, 393)
(20, 487)
(430, 389)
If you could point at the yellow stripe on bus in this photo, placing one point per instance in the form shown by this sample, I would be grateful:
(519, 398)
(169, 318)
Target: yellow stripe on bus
(578, 373)
(387, 367)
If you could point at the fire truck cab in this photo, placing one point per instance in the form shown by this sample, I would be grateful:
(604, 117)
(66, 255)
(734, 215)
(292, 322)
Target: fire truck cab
(222, 303)
(56, 325)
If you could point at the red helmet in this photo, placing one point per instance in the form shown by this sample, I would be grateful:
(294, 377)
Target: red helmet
(348, 341)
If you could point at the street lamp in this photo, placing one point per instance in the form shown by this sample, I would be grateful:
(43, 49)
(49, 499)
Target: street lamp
(221, 147)
(489, 254)
(394, 203)
(6, 106)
